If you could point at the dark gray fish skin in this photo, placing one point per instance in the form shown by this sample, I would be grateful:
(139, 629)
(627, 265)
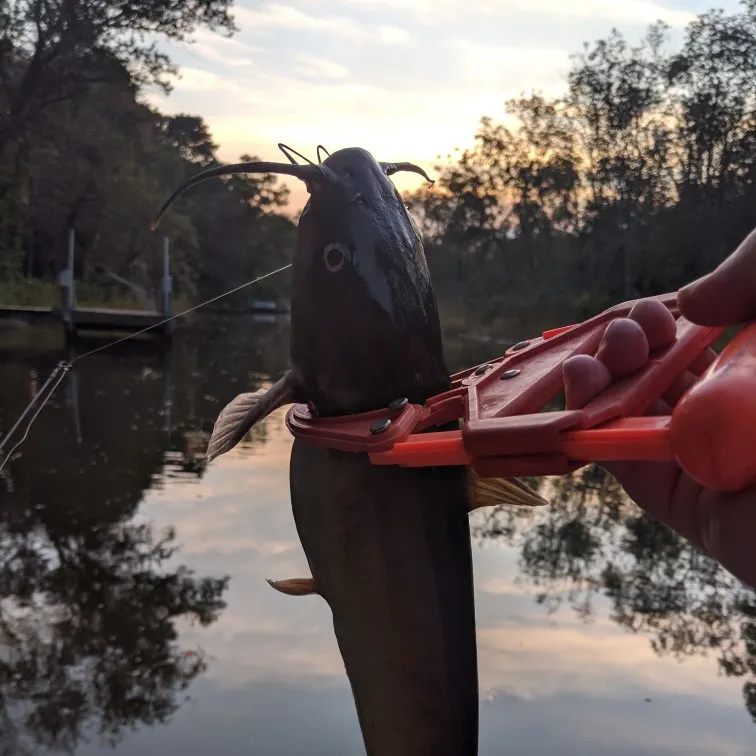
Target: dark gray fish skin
(389, 548)
(369, 332)
(390, 551)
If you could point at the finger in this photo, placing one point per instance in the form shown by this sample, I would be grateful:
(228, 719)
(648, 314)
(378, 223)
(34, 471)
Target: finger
(624, 349)
(657, 322)
(726, 525)
(585, 378)
(664, 492)
(722, 525)
(727, 295)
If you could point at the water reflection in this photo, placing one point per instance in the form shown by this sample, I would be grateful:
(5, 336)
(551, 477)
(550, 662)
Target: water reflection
(594, 542)
(116, 541)
(89, 603)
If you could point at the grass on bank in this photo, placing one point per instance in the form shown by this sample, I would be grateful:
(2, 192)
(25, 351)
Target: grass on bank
(31, 292)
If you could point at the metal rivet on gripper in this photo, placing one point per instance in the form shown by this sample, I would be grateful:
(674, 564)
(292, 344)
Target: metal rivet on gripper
(380, 425)
(519, 345)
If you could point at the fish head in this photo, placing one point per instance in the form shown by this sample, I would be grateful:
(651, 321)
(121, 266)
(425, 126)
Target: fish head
(364, 319)
(365, 327)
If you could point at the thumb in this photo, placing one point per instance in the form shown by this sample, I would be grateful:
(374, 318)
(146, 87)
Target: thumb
(727, 295)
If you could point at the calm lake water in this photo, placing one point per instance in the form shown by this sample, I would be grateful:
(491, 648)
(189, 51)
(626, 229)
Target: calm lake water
(135, 616)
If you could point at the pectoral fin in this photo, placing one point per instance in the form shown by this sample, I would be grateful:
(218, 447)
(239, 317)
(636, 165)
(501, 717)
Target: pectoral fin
(245, 411)
(491, 492)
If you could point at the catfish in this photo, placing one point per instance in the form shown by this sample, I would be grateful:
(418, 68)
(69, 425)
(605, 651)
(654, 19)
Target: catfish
(388, 547)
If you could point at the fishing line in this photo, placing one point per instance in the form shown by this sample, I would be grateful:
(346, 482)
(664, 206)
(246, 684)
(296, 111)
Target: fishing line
(58, 374)
(180, 314)
(63, 367)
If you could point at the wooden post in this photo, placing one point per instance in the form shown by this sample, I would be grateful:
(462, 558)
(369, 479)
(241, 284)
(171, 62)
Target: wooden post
(167, 298)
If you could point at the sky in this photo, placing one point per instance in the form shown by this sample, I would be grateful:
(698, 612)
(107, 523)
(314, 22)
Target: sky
(405, 79)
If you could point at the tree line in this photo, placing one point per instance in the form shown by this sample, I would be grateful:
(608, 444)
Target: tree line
(80, 149)
(639, 178)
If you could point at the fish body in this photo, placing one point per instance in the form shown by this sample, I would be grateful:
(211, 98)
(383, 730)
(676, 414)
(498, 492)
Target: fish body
(388, 547)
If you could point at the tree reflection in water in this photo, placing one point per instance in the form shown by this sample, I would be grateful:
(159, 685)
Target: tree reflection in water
(87, 634)
(89, 597)
(593, 541)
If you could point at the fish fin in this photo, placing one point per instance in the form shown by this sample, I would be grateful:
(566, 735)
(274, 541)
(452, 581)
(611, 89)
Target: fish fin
(246, 410)
(491, 492)
(295, 586)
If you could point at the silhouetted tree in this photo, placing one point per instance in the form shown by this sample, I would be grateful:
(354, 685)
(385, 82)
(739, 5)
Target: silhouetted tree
(636, 181)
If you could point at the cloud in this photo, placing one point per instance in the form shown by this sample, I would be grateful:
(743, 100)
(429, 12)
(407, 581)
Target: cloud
(349, 73)
(309, 65)
(493, 65)
(393, 35)
(220, 49)
(287, 17)
(212, 53)
(244, 526)
(629, 11)
(198, 80)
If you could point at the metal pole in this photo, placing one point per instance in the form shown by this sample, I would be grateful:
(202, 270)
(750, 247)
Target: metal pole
(66, 283)
(72, 283)
(167, 281)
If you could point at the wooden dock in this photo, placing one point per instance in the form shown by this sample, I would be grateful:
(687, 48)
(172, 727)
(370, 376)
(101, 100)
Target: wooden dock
(26, 314)
(106, 319)
(88, 318)
(76, 318)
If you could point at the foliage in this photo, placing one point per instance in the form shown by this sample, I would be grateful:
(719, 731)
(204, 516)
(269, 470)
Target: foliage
(639, 179)
(80, 149)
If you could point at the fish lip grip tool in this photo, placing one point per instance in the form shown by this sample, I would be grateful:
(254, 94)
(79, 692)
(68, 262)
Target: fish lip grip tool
(506, 431)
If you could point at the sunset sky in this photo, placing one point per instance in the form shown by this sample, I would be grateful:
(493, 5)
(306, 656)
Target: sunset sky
(406, 79)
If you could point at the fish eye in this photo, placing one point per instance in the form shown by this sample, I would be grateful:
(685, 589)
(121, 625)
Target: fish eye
(334, 256)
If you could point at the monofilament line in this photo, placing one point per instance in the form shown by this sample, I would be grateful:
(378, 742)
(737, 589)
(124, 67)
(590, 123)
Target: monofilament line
(63, 367)
(180, 314)
(57, 376)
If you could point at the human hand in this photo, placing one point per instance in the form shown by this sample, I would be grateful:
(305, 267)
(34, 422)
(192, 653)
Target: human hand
(722, 525)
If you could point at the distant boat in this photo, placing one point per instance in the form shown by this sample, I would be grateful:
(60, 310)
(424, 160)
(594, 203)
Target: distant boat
(252, 307)
(264, 304)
